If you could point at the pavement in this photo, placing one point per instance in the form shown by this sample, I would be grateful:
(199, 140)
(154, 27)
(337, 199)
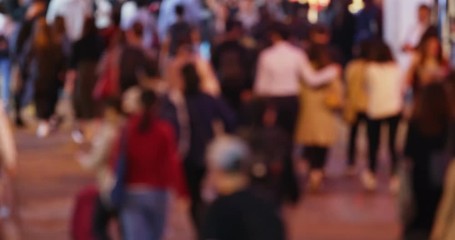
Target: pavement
(49, 177)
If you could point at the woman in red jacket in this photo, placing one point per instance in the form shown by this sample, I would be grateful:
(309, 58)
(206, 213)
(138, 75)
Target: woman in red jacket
(153, 168)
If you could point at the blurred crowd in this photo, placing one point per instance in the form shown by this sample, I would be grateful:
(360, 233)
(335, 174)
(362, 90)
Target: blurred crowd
(184, 96)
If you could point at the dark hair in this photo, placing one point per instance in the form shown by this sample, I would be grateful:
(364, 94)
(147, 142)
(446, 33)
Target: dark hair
(138, 29)
(59, 25)
(89, 27)
(430, 34)
(320, 55)
(432, 111)
(180, 10)
(233, 24)
(191, 79)
(280, 29)
(113, 103)
(379, 52)
(319, 29)
(424, 7)
(362, 49)
(149, 99)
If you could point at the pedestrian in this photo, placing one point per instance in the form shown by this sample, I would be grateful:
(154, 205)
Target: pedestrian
(153, 168)
(356, 101)
(185, 55)
(281, 68)
(428, 140)
(178, 31)
(46, 62)
(86, 54)
(428, 64)
(202, 111)
(385, 90)
(237, 213)
(99, 160)
(316, 128)
(233, 63)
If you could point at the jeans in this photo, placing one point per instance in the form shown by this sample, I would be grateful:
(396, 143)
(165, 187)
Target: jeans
(374, 136)
(5, 70)
(144, 214)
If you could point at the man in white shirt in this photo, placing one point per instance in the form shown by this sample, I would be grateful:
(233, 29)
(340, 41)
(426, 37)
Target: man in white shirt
(74, 11)
(281, 68)
(415, 34)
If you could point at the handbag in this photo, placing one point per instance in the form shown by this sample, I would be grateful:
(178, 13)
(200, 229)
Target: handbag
(334, 97)
(118, 192)
(107, 85)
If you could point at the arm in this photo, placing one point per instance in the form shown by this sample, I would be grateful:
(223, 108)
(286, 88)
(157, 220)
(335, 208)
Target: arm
(101, 148)
(260, 85)
(313, 78)
(446, 207)
(8, 152)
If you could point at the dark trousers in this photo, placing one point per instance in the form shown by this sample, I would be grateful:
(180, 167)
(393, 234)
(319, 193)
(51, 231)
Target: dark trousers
(352, 148)
(102, 216)
(317, 156)
(195, 174)
(46, 104)
(287, 110)
(374, 136)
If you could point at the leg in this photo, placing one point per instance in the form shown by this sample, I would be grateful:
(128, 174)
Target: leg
(134, 221)
(374, 134)
(6, 80)
(158, 204)
(393, 132)
(352, 147)
(101, 219)
(195, 175)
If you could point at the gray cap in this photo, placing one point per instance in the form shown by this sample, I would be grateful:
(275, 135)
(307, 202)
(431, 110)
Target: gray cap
(228, 153)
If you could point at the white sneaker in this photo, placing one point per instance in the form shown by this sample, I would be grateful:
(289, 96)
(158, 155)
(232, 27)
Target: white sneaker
(43, 130)
(78, 136)
(394, 185)
(369, 181)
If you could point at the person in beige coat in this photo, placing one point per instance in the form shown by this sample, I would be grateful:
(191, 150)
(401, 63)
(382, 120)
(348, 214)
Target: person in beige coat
(317, 128)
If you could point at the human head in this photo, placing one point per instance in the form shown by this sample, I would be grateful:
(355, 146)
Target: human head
(430, 48)
(278, 32)
(112, 109)
(135, 33)
(320, 56)
(59, 25)
(89, 27)
(234, 28)
(379, 52)
(42, 36)
(191, 79)
(228, 163)
(149, 104)
(319, 34)
(424, 14)
(180, 11)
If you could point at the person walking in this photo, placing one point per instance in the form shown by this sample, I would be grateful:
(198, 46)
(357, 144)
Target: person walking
(46, 62)
(86, 54)
(385, 90)
(153, 168)
(316, 128)
(280, 70)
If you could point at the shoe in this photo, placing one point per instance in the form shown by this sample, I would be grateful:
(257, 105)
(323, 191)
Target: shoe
(43, 130)
(394, 185)
(369, 181)
(78, 136)
(316, 178)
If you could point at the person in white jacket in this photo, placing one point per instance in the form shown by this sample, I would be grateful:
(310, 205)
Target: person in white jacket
(385, 88)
